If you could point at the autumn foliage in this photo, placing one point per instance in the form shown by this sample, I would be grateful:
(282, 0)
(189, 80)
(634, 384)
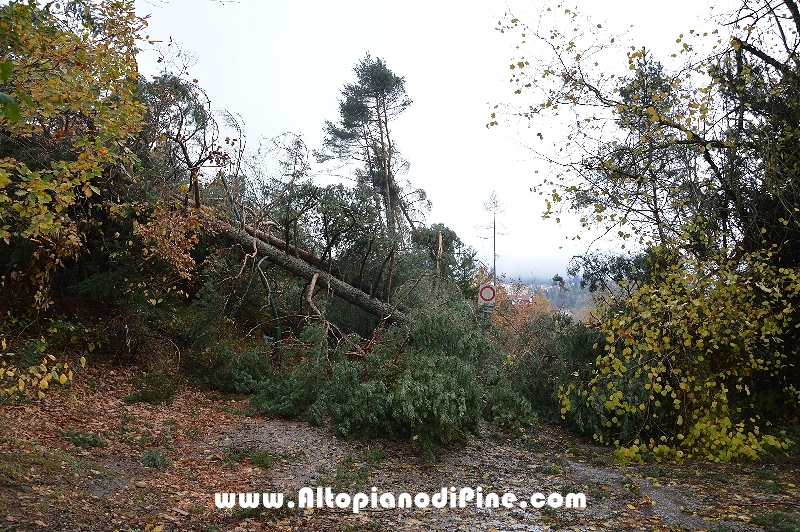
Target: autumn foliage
(137, 226)
(695, 168)
(75, 82)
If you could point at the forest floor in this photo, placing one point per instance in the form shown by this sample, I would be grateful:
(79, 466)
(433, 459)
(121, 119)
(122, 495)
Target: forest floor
(74, 462)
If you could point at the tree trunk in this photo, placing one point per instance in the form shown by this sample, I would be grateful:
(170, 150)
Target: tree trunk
(307, 271)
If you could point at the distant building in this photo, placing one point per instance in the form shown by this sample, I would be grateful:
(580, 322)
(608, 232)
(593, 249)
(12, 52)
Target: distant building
(516, 299)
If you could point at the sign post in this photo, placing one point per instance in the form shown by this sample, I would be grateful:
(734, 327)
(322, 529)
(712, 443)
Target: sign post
(486, 298)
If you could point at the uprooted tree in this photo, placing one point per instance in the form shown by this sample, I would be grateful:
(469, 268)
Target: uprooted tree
(137, 226)
(265, 210)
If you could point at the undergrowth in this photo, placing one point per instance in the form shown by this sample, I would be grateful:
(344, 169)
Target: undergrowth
(431, 380)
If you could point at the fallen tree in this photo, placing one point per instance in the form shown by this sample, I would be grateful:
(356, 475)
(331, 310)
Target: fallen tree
(292, 250)
(307, 271)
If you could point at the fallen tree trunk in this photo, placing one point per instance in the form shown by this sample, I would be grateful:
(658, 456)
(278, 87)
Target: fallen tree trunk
(291, 250)
(307, 271)
(276, 242)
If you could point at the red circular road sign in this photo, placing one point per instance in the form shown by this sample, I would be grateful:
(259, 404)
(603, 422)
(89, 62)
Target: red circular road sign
(487, 293)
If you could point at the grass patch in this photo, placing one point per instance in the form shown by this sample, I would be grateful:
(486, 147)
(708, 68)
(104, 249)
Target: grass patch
(353, 472)
(263, 459)
(716, 477)
(194, 433)
(155, 458)
(232, 458)
(83, 439)
(655, 472)
(197, 508)
(779, 521)
(247, 513)
(770, 486)
(532, 445)
(766, 473)
(373, 457)
(767, 480)
(548, 468)
(14, 466)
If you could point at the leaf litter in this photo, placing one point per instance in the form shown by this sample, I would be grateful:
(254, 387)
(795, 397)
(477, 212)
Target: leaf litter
(211, 443)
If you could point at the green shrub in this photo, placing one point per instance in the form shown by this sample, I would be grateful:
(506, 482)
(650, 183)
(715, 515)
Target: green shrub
(438, 399)
(677, 379)
(225, 323)
(450, 328)
(357, 408)
(263, 459)
(84, 439)
(227, 370)
(155, 458)
(554, 351)
(155, 387)
(288, 391)
(423, 380)
(779, 521)
(508, 409)
(28, 365)
(352, 474)
(420, 381)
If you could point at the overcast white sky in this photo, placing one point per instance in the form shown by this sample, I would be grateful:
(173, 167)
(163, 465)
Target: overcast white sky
(281, 65)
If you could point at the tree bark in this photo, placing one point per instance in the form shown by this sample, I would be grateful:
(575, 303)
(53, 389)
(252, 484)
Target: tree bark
(292, 250)
(307, 271)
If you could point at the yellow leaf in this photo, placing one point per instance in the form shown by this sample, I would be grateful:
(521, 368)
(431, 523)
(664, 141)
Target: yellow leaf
(21, 384)
(62, 379)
